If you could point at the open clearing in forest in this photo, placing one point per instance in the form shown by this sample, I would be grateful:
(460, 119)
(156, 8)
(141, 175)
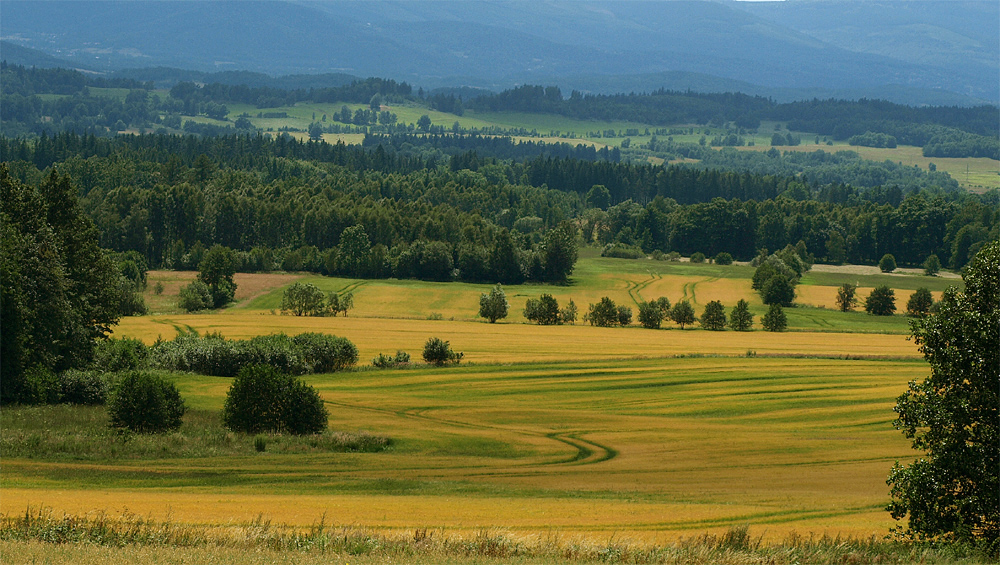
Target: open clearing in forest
(642, 449)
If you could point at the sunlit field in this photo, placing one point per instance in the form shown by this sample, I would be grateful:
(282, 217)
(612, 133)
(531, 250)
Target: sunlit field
(648, 448)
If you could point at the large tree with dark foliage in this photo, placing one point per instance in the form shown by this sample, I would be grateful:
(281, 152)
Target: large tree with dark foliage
(953, 416)
(60, 291)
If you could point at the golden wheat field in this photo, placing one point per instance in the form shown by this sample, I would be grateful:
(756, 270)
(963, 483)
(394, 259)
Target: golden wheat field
(651, 449)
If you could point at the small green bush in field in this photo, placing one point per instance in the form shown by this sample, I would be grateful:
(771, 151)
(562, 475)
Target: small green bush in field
(439, 352)
(145, 403)
(262, 399)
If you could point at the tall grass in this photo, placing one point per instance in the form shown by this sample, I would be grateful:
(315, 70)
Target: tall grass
(736, 546)
(63, 432)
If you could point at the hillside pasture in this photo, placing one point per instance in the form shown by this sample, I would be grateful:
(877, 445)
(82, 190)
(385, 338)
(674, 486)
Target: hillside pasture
(645, 449)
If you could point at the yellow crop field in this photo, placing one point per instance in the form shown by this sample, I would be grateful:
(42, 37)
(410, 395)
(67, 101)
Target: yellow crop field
(645, 449)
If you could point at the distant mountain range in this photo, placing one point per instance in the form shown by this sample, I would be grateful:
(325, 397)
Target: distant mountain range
(916, 52)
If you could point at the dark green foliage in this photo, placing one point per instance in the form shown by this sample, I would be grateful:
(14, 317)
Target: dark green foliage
(887, 263)
(559, 252)
(493, 306)
(932, 265)
(698, 257)
(603, 314)
(920, 302)
(543, 310)
(775, 319)
(567, 314)
(778, 290)
(953, 417)
(196, 296)
(216, 269)
(145, 403)
(652, 313)
(215, 355)
(339, 303)
(723, 258)
(113, 355)
(624, 315)
(881, 302)
(59, 292)
(383, 361)
(262, 399)
(599, 197)
(303, 299)
(846, 297)
(438, 352)
(83, 387)
(714, 316)
(682, 314)
(740, 318)
(622, 251)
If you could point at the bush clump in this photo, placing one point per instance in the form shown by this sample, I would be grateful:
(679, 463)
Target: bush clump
(383, 361)
(438, 352)
(218, 356)
(126, 354)
(83, 387)
(145, 403)
(622, 251)
(262, 400)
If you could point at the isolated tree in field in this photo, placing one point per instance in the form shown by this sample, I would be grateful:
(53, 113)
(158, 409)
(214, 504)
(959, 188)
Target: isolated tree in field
(603, 314)
(567, 314)
(315, 131)
(682, 314)
(217, 269)
(740, 318)
(775, 320)
(932, 265)
(714, 316)
(881, 302)
(195, 296)
(493, 305)
(543, 310)
(424, 123)
(847, 297)
(723, 258)
(953, 416)
(920, 302)
(887, 263)
(303, 299)
(438, 352)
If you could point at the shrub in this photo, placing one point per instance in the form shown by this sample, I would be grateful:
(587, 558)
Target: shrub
(543, 310)
(145, 403)
(326, 353)
(82, 387)
(887, 264)
(439, 352)
(932, 265)
(263, 400)
(714, 316)
(196, 296)
(113, 355)
(723, 258)
(881, 302)
(622, 251)
(383, 361)
(698, 257)
(775, 319)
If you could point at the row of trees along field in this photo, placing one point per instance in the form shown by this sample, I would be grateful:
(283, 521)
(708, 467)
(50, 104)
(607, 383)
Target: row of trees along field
(287, 204)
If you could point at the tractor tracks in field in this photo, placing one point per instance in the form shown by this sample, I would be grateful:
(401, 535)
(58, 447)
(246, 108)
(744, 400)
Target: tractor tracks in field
(635, 288)
(587, 452)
